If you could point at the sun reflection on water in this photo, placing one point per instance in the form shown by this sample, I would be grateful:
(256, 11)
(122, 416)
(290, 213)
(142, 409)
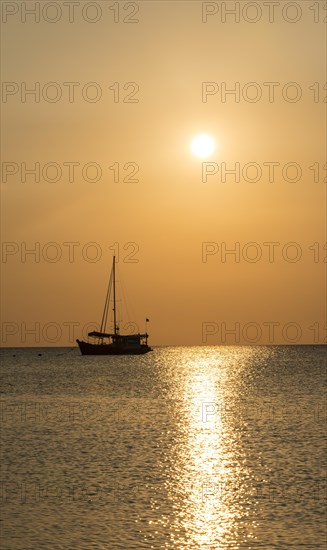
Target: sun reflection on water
(208, 483)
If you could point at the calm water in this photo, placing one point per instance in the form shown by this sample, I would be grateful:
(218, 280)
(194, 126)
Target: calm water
(184, 448)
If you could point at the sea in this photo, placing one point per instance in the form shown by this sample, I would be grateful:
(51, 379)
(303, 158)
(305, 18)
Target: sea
(184, 448)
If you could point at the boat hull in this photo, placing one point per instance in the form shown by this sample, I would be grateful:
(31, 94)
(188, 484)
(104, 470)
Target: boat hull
(87, 348)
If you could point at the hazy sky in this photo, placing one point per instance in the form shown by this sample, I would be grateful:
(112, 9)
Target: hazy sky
(120, 91)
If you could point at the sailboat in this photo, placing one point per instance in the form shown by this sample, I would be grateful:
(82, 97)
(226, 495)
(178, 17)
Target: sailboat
(113, 343)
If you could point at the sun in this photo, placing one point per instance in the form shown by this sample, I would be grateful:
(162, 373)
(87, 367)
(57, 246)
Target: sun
(202, 145)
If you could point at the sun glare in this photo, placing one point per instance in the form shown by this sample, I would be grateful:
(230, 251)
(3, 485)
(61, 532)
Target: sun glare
(202, 145)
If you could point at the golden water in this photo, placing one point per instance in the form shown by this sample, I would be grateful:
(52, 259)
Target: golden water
(184, 448)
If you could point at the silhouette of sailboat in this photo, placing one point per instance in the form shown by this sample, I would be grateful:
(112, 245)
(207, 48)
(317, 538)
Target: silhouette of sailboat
(113, 343)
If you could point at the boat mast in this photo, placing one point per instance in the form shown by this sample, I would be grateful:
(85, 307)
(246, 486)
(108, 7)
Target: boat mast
(114, 282)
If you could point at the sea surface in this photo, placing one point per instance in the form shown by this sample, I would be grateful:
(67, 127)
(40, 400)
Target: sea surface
(185, 448)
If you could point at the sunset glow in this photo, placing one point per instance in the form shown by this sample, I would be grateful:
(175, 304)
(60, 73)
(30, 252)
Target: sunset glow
(187, 141)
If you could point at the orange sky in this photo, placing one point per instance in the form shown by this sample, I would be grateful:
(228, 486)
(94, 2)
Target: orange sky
(160, 78)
